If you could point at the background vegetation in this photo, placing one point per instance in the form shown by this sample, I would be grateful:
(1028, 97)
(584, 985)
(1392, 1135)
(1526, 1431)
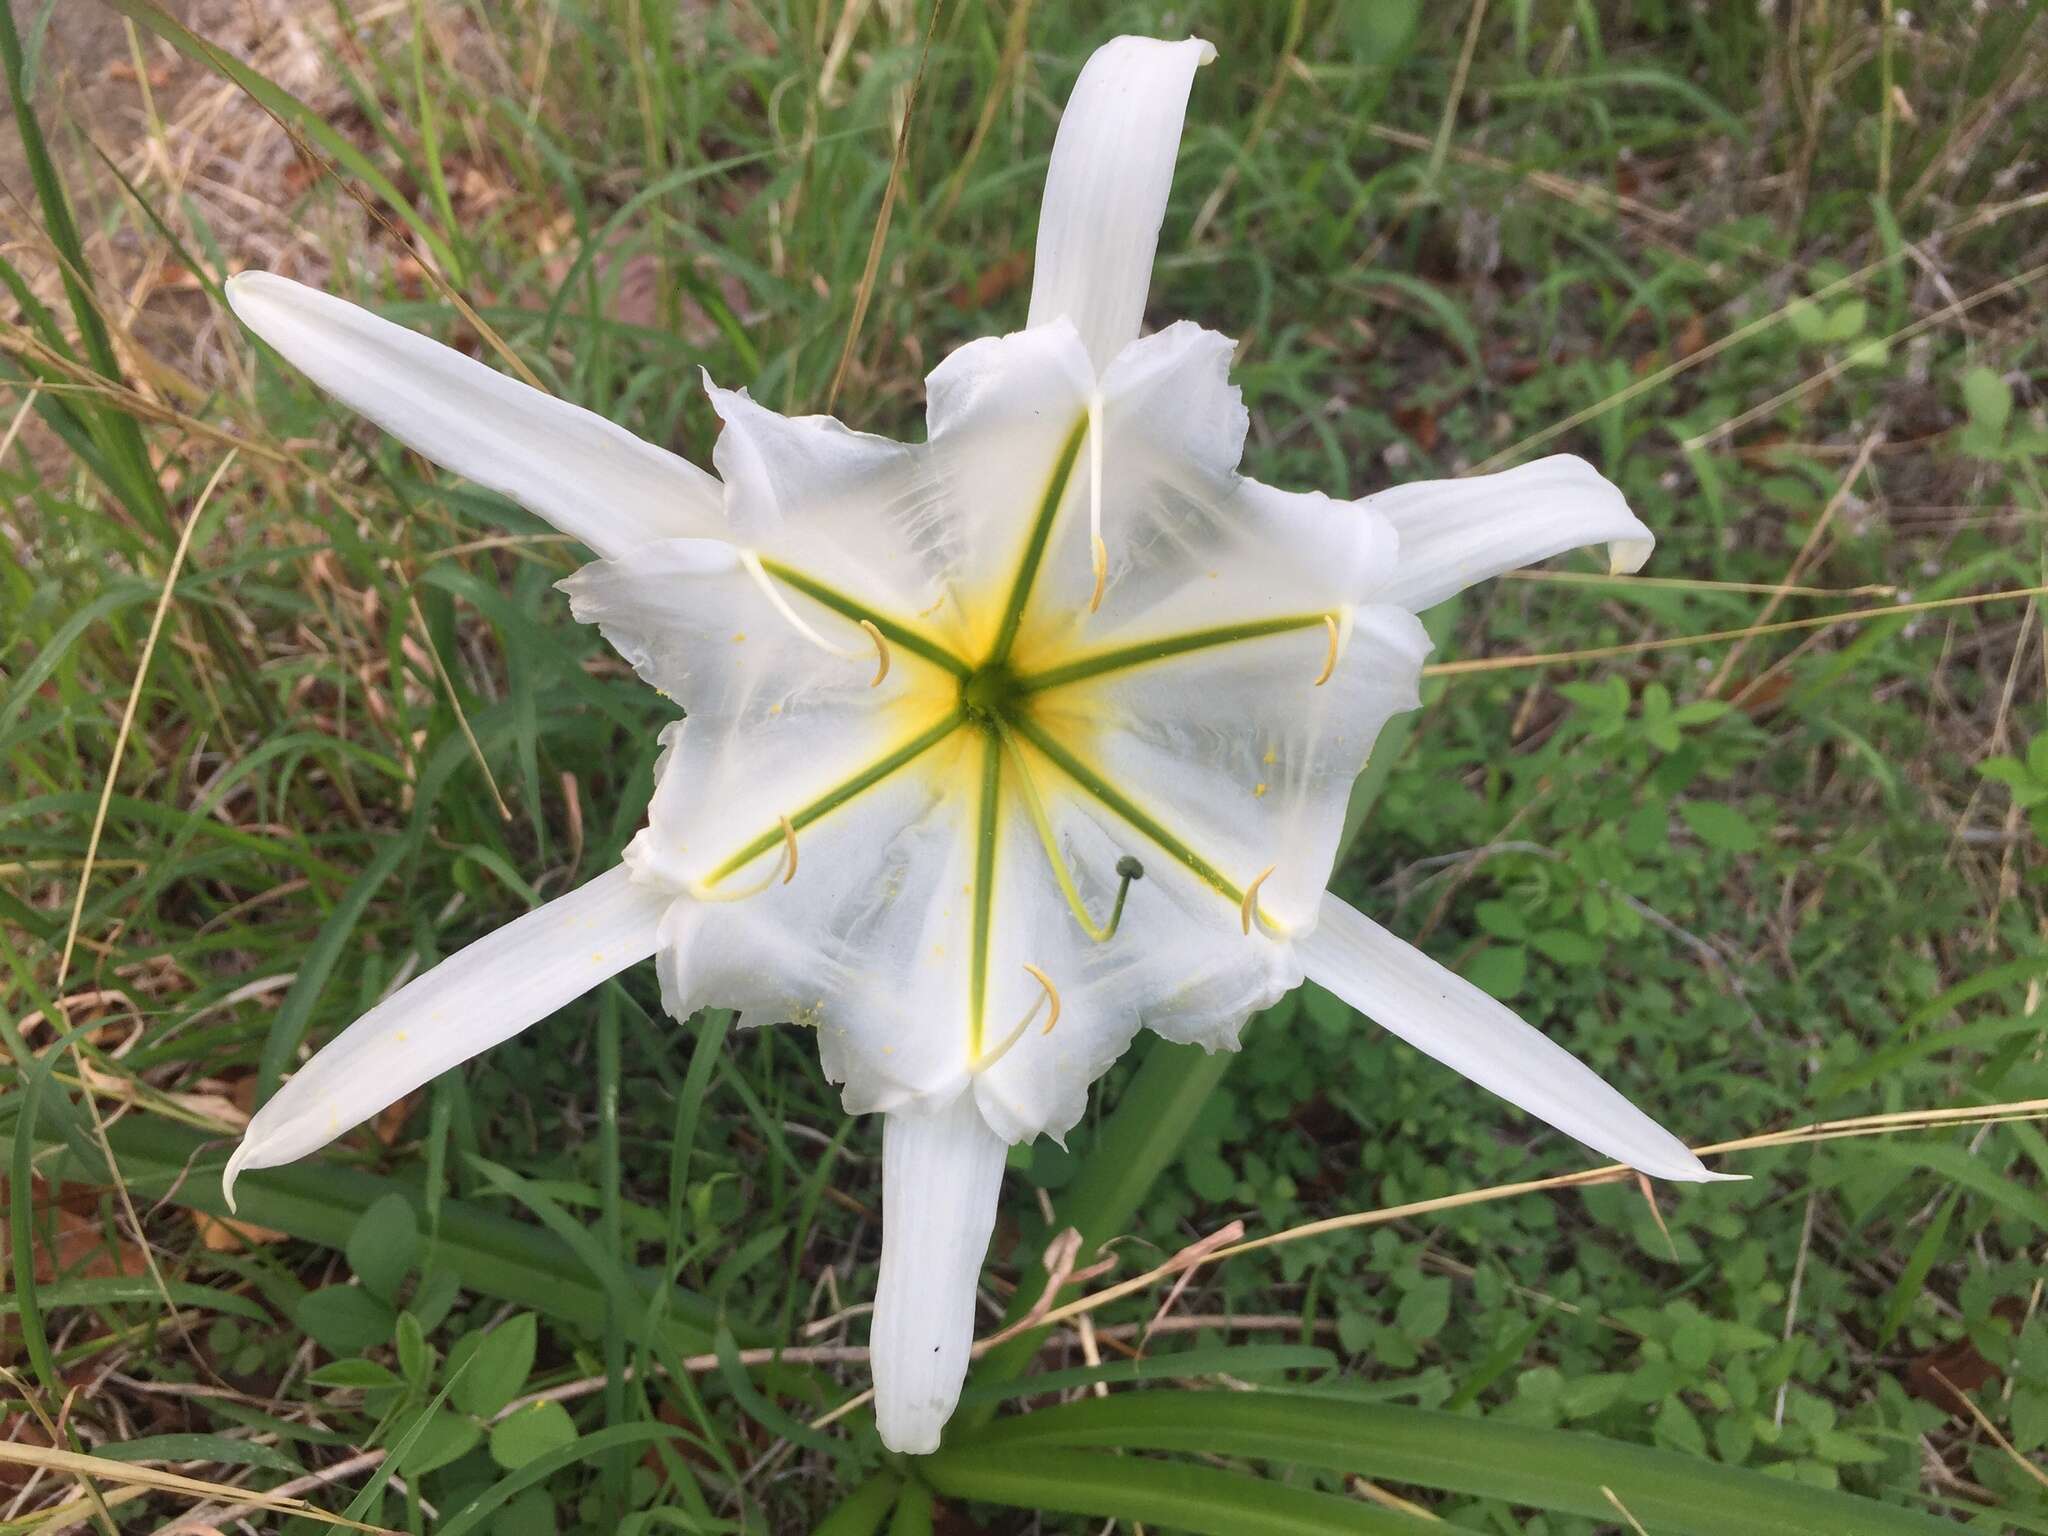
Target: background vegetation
(1775, 268)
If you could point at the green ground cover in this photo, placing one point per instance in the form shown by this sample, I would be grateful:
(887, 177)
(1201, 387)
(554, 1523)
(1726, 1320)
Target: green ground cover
(1777, 271)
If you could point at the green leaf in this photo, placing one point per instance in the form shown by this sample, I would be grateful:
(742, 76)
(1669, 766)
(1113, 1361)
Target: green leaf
(498, 1364)
(1720, 826)
(862, 1512)
(1176, 1365)
(320, 1202)
(1988, 400)
(443, 1437)
(1499, 970)
(1918, 1265)
(1565, 947)
(213, 1448)
(532, 1432)
(1424, 1310)
(345, 1319)
(1172, 1494)
(1560, 1470)
(355, 1374)
(383, 1245)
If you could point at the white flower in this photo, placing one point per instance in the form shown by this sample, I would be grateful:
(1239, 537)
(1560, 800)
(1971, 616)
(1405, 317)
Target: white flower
(997, 747)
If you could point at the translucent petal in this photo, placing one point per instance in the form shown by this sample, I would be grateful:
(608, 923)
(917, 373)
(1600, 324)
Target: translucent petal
(941, 1174)
(503, 983)
(1190, 543)
(1000, 411)
(1441, 1014)
(575, 470)
(859, 511)
(1457, 532)
(1105, 192)
(1178, 962)
(867, 944)
(776, 723)
(1241, 751)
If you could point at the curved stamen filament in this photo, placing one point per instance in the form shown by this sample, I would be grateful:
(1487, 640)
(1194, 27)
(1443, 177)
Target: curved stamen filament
(1050, 994)
(1329, 657)
(881, 651)
(784, 871)
(1128, 869)
(789, 845)
(1250, 904)
(796, 621)
(1097, 550)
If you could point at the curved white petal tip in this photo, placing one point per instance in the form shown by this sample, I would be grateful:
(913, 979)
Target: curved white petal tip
(477, 997)
(1443, 1015)
(1627, 556)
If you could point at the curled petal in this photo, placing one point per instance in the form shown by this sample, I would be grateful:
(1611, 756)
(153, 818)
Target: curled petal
(1105, 193)
(489, 992)
(1443, 1015)
(941, 1174)
(1457, 532)
(569, 467)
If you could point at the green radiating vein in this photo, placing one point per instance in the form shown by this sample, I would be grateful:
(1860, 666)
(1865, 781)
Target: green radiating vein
(842, 794)
(985, 830)
(893, 630)
(1034, 548)
(1163, 648)
(1120, 805)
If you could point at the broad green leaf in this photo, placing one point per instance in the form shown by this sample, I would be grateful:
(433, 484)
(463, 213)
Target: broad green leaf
(383, 1245)
(345, 1319)
(498, 1364)
(1178, 1365)
(1720, 826)
(1988, 399)
(531, 1433)
(1559, 1470)
(442, 1438)
(1172, 1494)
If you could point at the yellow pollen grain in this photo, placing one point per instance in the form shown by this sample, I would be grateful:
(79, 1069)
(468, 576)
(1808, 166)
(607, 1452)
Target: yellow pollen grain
(740, 638)
(1258, 791)
(1270, 758)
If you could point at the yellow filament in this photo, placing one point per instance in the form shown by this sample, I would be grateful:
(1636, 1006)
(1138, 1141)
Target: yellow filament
(1052, 992)
(789, 843)
(752, 562)
(1251, 898)
(983, 1062)
(1098, 551)
(881, 652)
(1330, 656)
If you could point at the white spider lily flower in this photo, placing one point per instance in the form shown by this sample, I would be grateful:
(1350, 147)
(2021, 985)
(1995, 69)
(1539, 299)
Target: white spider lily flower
(998, 747)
